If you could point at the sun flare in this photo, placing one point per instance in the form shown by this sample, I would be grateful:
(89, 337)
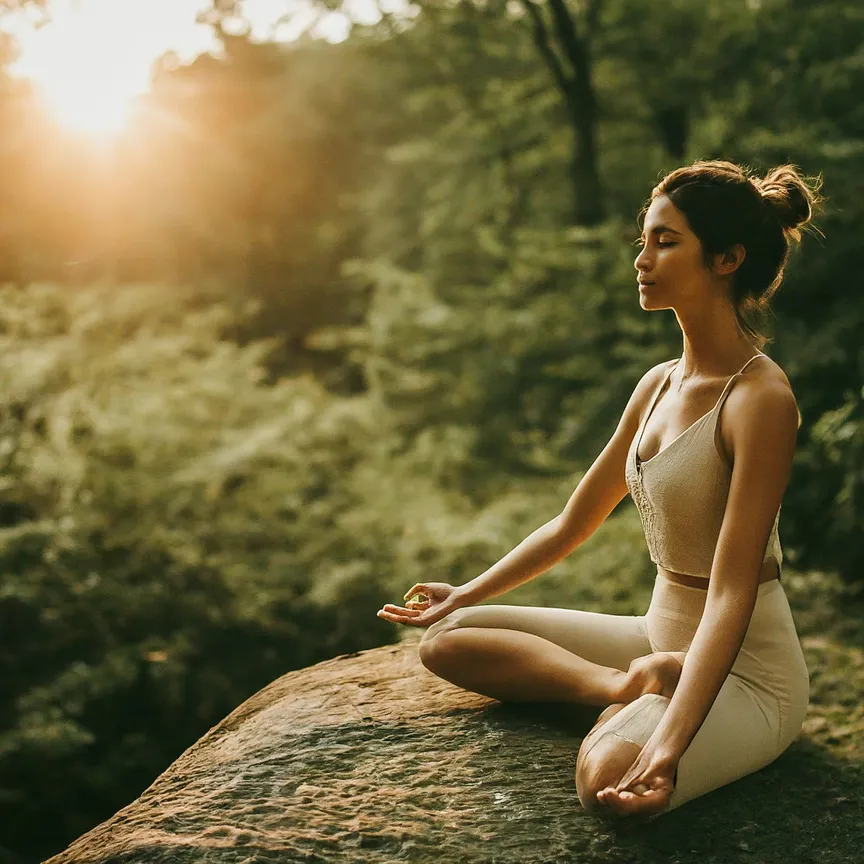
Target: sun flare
(92, 59)
(92, 104)
(81, 67)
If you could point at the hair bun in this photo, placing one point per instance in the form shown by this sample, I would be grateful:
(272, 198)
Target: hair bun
(791, 197)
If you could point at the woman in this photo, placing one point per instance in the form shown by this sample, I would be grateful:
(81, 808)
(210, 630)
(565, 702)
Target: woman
(710, 684)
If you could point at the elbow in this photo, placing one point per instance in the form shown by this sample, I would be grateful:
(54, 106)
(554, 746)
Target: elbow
(731, 609)
(565, 536)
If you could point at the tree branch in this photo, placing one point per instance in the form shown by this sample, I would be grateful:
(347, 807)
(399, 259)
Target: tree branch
(565, 27)
(592, 14)
(541, 39)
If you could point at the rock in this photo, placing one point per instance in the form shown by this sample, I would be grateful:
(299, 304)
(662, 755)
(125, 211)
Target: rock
(366, 757)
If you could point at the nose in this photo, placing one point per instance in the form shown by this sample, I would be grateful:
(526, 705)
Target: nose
(643, 261)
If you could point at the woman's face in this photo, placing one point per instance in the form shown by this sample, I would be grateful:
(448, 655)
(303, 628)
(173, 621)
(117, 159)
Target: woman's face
(671, 268)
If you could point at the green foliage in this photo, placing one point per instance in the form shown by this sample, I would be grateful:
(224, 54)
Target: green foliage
(172, 538)
(527, 370)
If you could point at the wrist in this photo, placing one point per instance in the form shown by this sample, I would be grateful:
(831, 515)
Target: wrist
(462, 595)
(668, 748)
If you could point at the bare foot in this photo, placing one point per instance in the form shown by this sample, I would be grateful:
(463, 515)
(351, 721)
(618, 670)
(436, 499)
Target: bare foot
(655, 673)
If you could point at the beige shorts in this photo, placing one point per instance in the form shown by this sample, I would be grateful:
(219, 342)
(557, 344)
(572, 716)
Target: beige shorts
(757, 713)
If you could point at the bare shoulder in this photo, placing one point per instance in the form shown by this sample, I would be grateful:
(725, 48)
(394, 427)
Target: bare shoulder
(768, 370)
(761, 407)
(765, 379)
(646, 388)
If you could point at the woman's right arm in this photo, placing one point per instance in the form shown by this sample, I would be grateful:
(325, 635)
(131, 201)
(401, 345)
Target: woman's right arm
(596, 496)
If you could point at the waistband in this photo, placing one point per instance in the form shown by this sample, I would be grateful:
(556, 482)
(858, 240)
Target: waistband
(764, 587)
(689, 602)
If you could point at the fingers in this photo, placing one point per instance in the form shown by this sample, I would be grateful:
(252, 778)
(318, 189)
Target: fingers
(418, 588)
(401, 610)
(401, 619)
(416, 604)
(643, 802)
(402, 616)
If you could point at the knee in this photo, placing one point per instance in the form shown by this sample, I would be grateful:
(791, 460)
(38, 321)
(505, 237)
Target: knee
(605, 757)
(431, 648)
(603, 761)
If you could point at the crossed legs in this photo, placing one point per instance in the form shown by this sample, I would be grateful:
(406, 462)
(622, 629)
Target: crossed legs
(512, 665)
(525, 653)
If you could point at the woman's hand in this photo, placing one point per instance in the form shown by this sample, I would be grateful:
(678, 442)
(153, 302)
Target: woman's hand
(440, 599)
(646, 787)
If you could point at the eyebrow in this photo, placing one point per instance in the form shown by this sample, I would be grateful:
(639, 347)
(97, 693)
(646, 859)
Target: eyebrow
(662, 229)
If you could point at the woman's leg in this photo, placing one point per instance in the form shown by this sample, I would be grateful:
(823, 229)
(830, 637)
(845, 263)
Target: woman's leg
(526, 653)
(754, 718)
(739, 736)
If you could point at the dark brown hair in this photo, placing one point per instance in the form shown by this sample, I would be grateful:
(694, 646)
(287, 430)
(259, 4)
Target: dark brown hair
(727, 204)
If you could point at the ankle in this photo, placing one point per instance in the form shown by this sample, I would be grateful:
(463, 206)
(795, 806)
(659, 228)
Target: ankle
(626, 688)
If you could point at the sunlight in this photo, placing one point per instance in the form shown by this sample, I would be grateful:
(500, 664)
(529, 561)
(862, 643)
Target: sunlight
(88, 101)
(93, 59)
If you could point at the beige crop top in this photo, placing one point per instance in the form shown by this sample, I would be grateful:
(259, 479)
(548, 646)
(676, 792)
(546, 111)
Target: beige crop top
(681, 492)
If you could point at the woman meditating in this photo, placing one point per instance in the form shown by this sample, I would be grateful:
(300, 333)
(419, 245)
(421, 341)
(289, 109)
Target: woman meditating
(710, 684)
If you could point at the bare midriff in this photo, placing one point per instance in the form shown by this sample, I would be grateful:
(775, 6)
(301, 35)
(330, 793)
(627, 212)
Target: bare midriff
(769, 572)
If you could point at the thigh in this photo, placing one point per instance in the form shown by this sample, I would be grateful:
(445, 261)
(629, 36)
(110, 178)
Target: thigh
(609, 640)
(739, 736)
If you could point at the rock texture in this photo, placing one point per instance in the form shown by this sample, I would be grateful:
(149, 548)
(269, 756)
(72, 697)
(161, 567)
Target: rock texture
(366, 757)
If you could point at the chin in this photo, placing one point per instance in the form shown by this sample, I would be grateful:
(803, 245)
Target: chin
(651, 303)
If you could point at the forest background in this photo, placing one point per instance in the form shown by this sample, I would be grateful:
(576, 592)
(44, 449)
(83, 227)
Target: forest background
(329, 319)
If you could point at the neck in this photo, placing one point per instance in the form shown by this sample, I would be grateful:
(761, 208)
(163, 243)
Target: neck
(715, 346)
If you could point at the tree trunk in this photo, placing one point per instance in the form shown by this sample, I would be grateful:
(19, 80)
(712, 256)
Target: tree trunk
(588, 196)
(577, 88)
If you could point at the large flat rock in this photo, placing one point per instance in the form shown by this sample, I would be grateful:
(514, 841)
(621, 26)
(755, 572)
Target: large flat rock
(371, 758)
(364, 757)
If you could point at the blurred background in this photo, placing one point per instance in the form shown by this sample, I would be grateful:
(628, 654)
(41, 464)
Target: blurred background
(303, 301)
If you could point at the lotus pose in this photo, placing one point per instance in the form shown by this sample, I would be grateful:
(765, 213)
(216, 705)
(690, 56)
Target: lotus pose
(710, 684)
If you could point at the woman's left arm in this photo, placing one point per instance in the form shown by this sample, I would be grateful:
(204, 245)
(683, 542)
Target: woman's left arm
(763, 434)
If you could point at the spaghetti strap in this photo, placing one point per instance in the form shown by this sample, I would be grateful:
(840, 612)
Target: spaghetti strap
(728, 386)
(637, 439)
(748, 363)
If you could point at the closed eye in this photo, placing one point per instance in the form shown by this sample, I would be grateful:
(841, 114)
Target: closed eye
(640, 242)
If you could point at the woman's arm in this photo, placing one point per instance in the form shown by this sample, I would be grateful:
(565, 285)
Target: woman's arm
(604, 485)
(596, 496)
(763, 431)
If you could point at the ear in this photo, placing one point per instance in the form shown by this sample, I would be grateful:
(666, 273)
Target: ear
(729, 261)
